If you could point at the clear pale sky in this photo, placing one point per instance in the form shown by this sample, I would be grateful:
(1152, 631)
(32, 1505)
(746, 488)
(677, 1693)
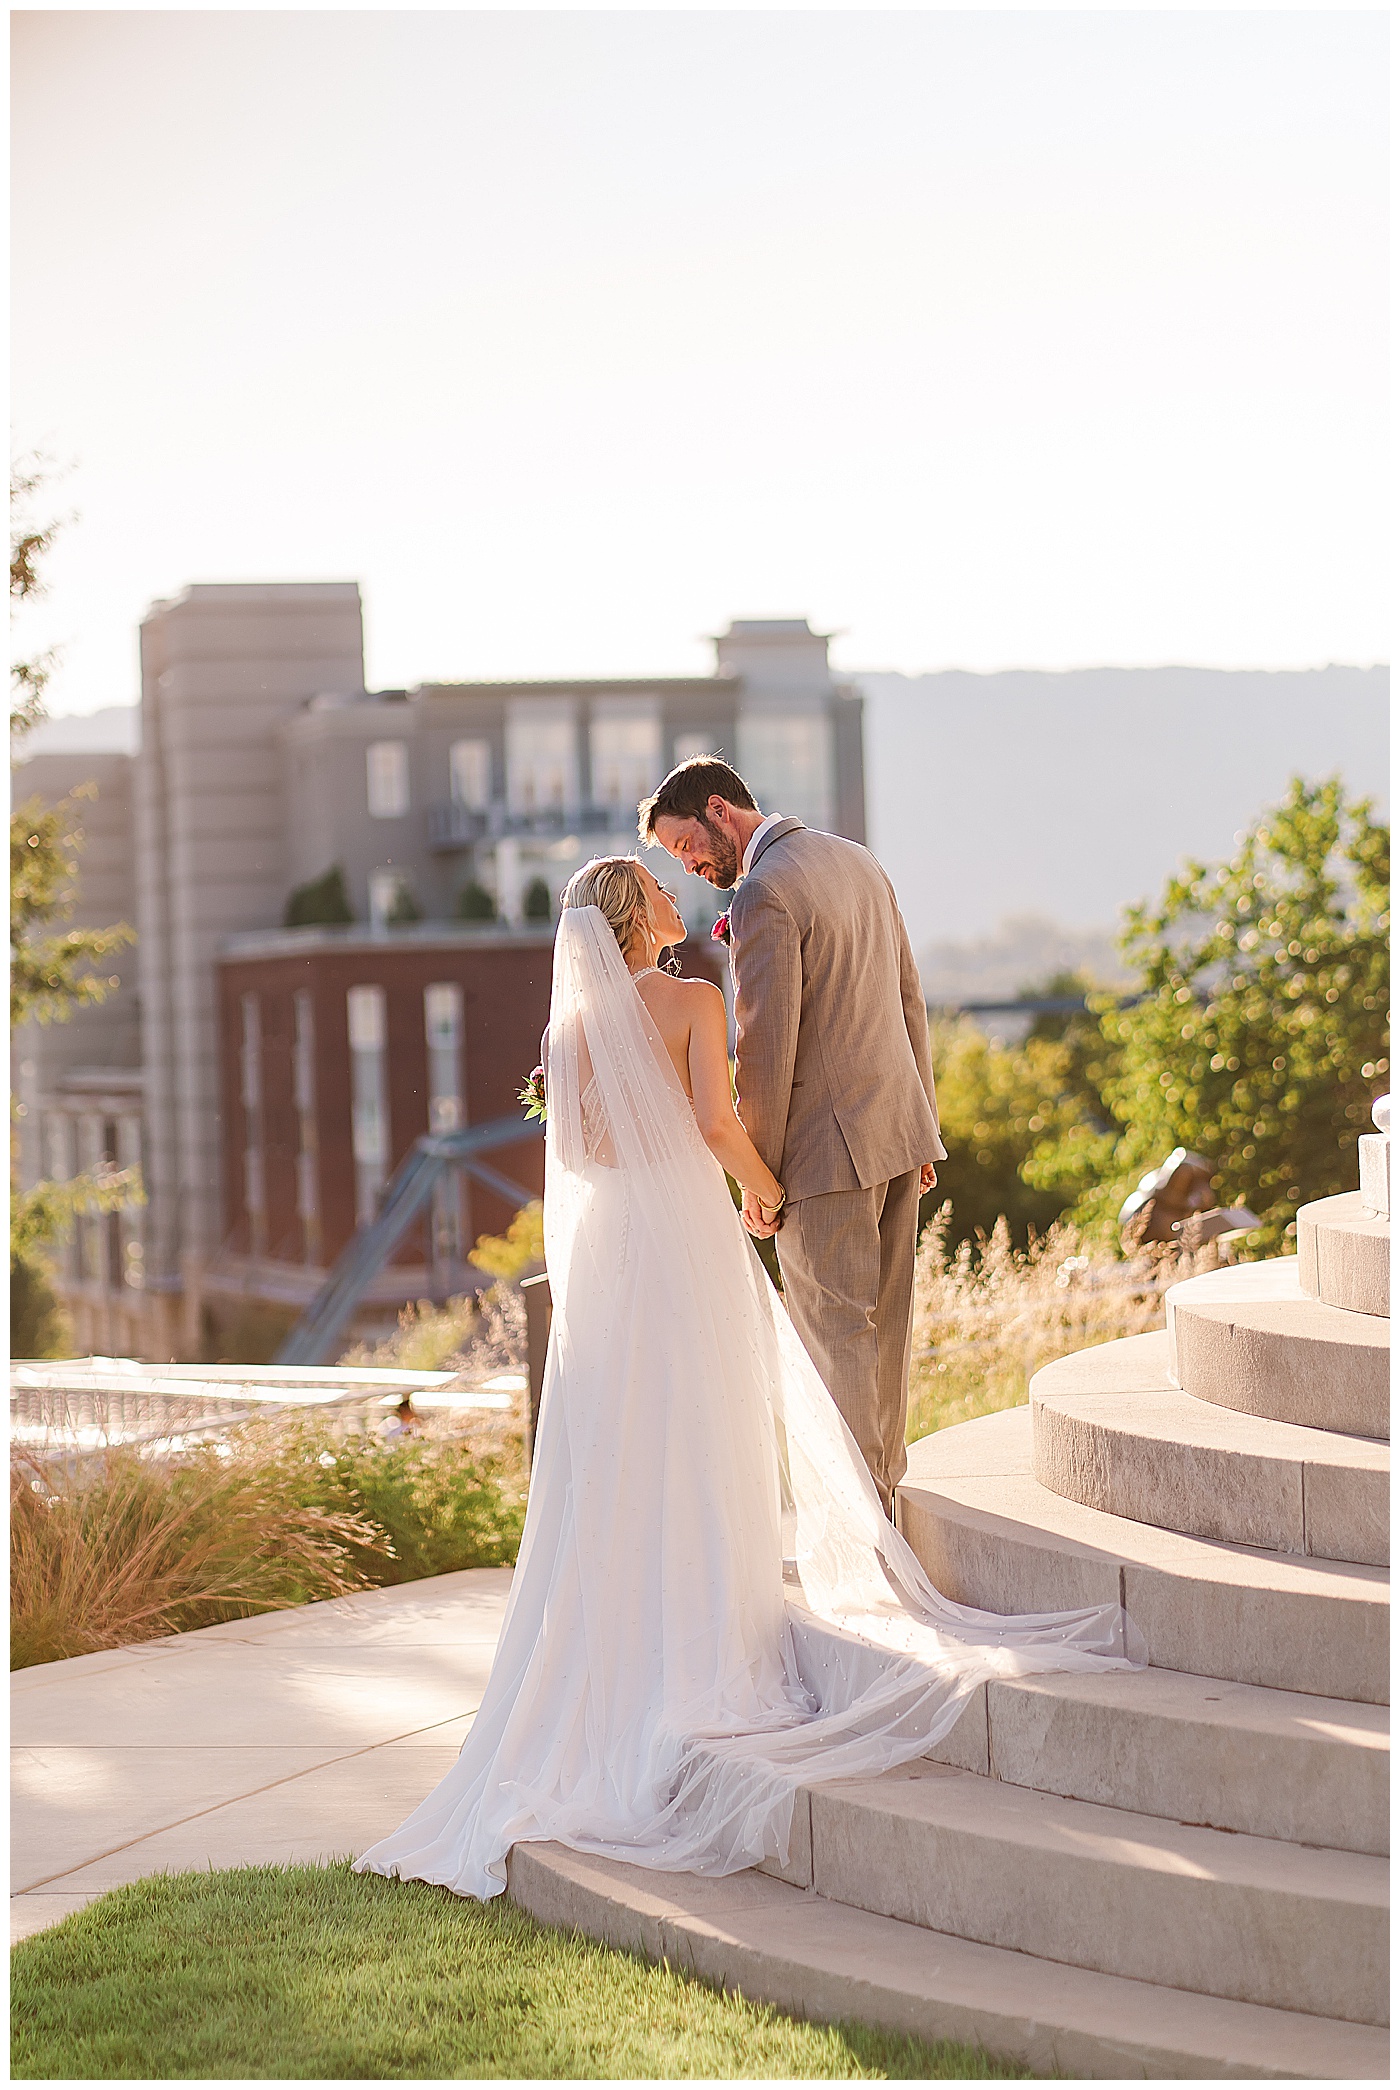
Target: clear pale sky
(983, 339)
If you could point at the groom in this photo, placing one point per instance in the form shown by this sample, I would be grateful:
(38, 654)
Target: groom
(834, 1079)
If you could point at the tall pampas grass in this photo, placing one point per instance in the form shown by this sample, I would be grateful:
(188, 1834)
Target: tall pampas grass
(112, 1547)
(988, 1316)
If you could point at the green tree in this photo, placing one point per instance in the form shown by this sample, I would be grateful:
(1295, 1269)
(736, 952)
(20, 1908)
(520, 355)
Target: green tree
(998, 1105)
(475, 904)
(537, 902)
(51, 967)
(321, 901)
(1260, 1038)
(30, 541)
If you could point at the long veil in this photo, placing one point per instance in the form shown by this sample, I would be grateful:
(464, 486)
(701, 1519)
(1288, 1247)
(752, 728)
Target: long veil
(649, 1265)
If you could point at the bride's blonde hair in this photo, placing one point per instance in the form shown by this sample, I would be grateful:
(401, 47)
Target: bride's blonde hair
(613, 884)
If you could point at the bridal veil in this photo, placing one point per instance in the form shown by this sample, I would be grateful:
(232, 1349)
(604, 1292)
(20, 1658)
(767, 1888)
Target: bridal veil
(710, 1608)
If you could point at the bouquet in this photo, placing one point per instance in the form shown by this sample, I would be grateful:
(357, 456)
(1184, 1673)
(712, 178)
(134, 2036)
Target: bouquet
(532, 1097)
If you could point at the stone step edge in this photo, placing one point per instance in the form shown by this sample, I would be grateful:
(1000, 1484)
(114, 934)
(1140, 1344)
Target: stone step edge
(1179, 1712)
(1131, 1545)
(968, 1745)
(827, 1962)
(1343, 1247)
(953, 1852)
(1304, 1442)
(1351, 1475)
(1119, 1555)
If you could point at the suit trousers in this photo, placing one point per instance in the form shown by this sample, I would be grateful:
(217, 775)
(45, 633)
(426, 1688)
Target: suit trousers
(847, 1260)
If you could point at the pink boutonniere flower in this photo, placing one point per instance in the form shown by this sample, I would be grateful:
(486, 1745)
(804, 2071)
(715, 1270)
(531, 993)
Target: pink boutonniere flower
(720, 931)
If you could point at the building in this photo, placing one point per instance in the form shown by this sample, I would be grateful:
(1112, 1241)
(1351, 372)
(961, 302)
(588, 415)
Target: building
(270, 1078)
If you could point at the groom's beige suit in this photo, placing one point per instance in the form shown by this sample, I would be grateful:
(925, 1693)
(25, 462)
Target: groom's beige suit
(835, 1089)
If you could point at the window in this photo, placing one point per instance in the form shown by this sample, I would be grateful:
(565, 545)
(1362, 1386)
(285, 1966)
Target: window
(304, 1097)
(386, 777)
(542, 757)
(469, 770)
(785, 758)
(442, 1022)
(625, 755)
(385, 891)
(251, 1091)
(369, 1101)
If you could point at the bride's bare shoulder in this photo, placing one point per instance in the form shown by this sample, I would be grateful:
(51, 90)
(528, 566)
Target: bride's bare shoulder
(680, 999)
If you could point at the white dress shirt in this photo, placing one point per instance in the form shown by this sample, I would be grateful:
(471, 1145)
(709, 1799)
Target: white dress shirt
(756, 837)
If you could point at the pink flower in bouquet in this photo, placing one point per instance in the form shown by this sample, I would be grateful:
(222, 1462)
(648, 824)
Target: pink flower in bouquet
(720, 931)
(532, 1098)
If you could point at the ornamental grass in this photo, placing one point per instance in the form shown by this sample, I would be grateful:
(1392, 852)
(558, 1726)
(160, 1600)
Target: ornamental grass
(121, 1544)
(989, 1315)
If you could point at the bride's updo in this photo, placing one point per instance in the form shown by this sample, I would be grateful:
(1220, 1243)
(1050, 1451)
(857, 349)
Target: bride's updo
(612, 884)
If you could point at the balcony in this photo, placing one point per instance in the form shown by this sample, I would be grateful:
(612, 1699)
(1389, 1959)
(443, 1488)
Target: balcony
(459, 827)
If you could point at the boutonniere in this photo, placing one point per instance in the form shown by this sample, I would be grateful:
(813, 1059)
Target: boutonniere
(531, 1097)
(720, 931)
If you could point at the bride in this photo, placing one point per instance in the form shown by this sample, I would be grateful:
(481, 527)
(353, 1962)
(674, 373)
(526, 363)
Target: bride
(710, 1608)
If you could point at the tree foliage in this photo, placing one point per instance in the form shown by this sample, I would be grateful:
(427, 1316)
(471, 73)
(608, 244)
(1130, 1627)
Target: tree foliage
(50, 966)
(998, 1104)
(321, 901)
(30, 540)
(1260, 1038)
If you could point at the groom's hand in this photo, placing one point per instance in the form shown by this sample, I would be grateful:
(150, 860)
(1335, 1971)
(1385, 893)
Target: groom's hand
(928, 1176)
(762, 1229)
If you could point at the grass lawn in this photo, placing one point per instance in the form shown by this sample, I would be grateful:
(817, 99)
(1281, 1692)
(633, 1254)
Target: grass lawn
(313, 1971)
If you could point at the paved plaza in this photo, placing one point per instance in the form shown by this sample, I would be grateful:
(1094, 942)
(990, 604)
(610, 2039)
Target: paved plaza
(303, 1734)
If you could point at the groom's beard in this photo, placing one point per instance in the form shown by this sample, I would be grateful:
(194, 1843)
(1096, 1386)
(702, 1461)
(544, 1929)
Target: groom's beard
(721, 867)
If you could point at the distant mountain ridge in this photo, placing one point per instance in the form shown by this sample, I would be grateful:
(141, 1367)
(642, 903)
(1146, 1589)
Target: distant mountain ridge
(1071, 793)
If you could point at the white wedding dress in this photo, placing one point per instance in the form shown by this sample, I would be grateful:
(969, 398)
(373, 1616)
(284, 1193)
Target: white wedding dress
(661, 1689)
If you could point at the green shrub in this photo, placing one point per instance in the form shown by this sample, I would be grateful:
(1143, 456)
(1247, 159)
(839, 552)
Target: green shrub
(435, 1505)
(38, 1325)
(538, 905)
(115, 1548)
(322, 900)
(475, 904)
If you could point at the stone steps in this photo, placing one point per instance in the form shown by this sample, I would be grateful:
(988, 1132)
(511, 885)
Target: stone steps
(989, 1535)
(1111, 1430)
(1250, 1338)
(830, 1962)
(1239, 1917)
(1276, 1764)
(1344, 1254)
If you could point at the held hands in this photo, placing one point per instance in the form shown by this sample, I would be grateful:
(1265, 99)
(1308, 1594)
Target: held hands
(762, 1220)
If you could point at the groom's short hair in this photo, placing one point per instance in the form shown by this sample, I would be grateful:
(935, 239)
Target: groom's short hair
(687, 791)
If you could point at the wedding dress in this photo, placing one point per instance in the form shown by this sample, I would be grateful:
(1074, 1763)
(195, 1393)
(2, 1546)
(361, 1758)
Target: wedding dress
(662, 1688)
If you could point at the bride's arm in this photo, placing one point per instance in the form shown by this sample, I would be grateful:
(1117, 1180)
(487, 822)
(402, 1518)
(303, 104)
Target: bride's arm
(714, 1098)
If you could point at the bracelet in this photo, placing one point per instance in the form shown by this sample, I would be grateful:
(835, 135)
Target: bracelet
(774, 1209)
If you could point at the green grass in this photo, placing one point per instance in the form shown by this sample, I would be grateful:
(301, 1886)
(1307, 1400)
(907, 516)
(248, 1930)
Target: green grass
(312, 1971)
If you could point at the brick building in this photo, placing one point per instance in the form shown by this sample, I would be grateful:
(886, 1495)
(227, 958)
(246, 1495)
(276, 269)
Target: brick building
(269, 1079)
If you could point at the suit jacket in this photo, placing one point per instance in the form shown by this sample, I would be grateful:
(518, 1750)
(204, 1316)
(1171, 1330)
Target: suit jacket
(834, 1078)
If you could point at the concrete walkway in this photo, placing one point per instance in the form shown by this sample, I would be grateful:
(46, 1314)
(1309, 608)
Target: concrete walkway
(302, 1734)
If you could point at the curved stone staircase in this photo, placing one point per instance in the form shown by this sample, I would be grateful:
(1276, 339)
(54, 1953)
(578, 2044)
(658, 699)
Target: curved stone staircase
(1175, 1872)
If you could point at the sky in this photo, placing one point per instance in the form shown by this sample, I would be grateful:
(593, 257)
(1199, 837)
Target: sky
(983, 339)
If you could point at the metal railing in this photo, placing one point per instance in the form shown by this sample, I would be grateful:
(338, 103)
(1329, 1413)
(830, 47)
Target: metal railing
(318, 1333)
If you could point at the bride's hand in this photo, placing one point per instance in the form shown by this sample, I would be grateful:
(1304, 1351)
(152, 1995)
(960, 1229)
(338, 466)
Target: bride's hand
(762, 1220)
